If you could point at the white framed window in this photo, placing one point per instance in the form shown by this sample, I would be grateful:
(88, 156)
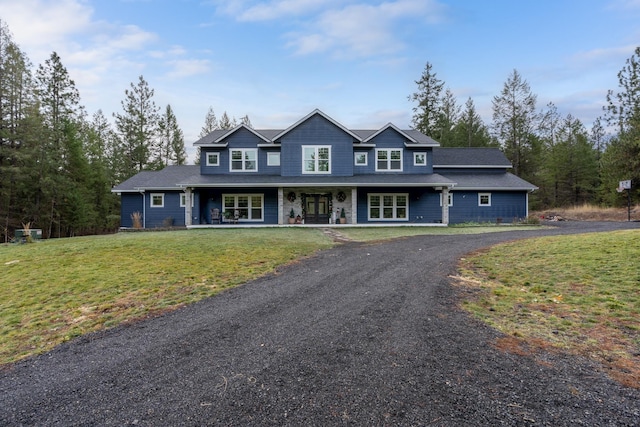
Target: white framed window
(449, 199)
(157, 200)
(316, 159)
(250, 207)
(420, 159)
(273, 158)
(213, 159)
(388, 159)
(484, 199)
(183, 200)
(360, 159)
(388, 207)
(244, 160)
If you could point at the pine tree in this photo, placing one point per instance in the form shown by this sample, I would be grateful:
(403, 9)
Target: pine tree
(428, 110)
(137, 127)
(171, 148)
(446, 120)
(514, 125)
(470, 130)
(622, 155)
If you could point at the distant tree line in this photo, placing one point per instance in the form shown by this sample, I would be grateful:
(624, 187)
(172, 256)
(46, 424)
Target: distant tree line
(570, 164)
(57, 164)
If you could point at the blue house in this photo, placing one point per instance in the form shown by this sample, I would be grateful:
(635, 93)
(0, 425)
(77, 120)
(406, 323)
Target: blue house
(318, 168)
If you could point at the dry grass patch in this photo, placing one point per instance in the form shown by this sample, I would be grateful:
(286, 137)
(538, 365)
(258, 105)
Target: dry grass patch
(587, 212)
(578, 294)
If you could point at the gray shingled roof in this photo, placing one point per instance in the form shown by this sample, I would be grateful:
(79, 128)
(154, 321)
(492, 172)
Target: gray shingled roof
(270, 133)
(165, 179)
(489, 181)
(469, 157)
(176, 177)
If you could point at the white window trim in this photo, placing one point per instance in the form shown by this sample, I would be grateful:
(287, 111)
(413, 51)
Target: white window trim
(480, 195)
(389, 150)
(395, 207)
(243, 150)
(316, 171)
(272, 155)
(355, 159)
(449, 197)
(183, 201)
(151, 197)
(216, 163)
(415, 158)
(235, 196)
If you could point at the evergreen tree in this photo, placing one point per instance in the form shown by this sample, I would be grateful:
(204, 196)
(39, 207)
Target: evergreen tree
(171, 148)
(428, 110)
(210, 123)
(622, 155)
(514, 125)
(226, 123)
(245, 121)
(16, 97)
(446, 120)
(137, 127)
(61, 112)
(470, 130)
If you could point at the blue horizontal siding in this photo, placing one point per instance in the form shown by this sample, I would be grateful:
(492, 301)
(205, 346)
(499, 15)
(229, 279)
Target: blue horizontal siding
(130, 203)
(507, 205)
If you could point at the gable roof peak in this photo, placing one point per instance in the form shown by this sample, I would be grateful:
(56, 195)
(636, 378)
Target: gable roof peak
(315, 112)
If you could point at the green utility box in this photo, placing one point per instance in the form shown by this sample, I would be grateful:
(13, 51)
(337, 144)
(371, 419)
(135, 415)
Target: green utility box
(35, 233)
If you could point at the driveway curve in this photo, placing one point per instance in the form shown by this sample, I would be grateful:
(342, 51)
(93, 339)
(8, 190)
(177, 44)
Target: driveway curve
(361, 334)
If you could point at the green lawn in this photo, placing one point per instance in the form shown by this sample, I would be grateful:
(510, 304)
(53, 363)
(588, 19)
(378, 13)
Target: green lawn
(573, 293)
(54, 290)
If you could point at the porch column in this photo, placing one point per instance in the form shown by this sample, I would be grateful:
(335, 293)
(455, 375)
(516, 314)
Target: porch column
(187, 207)
(445, 205)
(280, 206)
(354, 206)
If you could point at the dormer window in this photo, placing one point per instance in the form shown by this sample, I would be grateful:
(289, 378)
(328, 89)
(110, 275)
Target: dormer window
(213, 159)
(316, 159)
(244, 160)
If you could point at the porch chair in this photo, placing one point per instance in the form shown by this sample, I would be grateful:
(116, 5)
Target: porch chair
(215, 215)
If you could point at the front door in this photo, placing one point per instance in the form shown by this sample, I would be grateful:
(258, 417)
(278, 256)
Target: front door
(316, 209)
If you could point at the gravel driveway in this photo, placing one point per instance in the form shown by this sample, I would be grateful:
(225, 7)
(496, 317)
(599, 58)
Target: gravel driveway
(361, 334)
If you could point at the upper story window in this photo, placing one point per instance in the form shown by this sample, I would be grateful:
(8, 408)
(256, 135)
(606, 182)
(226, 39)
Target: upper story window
(360, 159)
(316, 159)
(388, 159)
(273, 158)
(244, 159)
(213, 159)
(420, 159)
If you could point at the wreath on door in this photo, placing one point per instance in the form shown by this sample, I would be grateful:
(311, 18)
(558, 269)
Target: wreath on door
(291, 196)
(341, 196)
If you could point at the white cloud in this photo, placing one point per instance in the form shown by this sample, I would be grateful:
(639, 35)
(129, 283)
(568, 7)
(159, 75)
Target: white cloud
(282, 8)
(189, 67)
(363, 30)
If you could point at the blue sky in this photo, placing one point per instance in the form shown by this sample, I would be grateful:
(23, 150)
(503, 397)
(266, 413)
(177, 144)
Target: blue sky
(356, 60)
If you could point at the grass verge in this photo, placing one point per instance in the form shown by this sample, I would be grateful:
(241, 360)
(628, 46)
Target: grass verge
(367, 234)
(577, 294)
(56, 290)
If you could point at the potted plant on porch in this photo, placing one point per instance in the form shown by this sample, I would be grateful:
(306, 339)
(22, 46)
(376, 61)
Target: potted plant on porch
(292, 217)
(343, 217)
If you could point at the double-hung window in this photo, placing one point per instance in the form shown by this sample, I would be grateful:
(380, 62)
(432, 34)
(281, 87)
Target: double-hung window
(249, 207)
(244, 160)
(316, 159)
(388, 159)
(388, 207)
